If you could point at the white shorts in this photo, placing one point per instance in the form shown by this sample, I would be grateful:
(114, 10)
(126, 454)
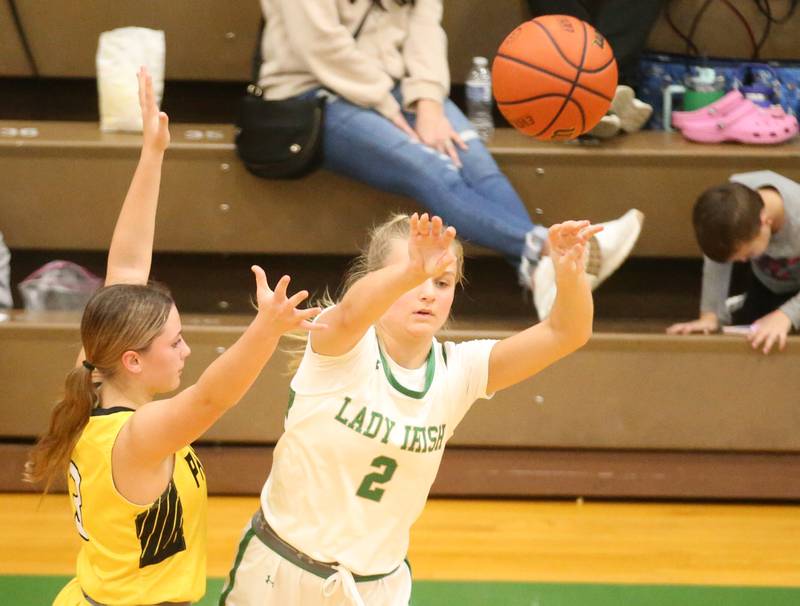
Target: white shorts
(261, 577)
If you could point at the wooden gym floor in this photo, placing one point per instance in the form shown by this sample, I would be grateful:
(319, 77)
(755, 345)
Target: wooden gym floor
(471, 552)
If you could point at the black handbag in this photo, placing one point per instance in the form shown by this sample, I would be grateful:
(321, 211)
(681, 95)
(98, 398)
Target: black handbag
(280, 139)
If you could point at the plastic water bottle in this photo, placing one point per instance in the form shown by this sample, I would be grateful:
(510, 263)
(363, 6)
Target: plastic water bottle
(479, 97)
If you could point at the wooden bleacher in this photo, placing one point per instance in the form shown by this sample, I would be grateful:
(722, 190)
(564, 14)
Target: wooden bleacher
(634, 414)
(71, 173)
(629, 415)
(610, 394)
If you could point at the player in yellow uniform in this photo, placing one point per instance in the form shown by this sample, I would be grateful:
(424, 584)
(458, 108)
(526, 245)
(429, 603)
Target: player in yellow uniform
(137, 489)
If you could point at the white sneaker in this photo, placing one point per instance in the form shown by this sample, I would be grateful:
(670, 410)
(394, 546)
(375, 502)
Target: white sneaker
(633, 113)
(607, 251)
(609, 248)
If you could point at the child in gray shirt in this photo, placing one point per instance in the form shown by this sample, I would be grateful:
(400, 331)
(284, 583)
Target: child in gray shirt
(755, 217)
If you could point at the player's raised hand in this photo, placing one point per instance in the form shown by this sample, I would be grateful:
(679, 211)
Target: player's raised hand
(568, 245)
(429, 241)
(278, 309)
(155, 124)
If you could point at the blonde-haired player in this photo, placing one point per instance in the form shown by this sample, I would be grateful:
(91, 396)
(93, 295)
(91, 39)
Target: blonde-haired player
(374, 401)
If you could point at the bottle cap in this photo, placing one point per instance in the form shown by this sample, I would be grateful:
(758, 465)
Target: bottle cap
(480, 61)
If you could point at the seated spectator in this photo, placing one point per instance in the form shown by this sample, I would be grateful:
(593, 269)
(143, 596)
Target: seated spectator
(382, 64)
(756, 218)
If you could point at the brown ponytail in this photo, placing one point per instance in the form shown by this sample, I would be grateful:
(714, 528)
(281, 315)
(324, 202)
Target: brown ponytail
(69, 417)
(117, 319)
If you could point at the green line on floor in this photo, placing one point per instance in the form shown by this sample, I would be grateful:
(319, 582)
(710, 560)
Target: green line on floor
(41, 590)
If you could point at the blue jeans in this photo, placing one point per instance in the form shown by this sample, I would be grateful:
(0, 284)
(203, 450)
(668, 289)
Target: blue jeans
(478, 200)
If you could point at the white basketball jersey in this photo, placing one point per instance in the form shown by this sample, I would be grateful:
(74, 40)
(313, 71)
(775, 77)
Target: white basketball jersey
(360, 451)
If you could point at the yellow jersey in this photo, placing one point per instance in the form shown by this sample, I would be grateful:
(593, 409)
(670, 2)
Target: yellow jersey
(135, 554)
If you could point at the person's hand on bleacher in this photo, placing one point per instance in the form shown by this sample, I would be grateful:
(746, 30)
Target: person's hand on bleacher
(771, 330)
(155, 124)
(706, 324)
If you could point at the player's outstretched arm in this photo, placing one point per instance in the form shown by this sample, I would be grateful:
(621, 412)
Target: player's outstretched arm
(160, 428)
(569, 325)
(131, 249)
(429, 253)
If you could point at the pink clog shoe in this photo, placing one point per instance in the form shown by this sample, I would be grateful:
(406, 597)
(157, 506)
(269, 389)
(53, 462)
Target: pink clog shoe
(736, 118)
(719, 108)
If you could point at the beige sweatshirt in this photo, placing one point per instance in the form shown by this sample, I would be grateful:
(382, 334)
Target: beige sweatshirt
(309, 43)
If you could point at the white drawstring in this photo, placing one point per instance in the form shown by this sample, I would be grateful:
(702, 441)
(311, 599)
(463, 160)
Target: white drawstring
(342, 577)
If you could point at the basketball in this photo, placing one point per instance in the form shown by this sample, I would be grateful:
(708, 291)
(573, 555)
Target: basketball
(554, 77)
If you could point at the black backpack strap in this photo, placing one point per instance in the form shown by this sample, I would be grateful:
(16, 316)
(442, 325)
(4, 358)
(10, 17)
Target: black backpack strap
(364, 19)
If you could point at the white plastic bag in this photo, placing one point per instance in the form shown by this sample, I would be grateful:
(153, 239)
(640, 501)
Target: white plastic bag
(120, 53)
(58, 285)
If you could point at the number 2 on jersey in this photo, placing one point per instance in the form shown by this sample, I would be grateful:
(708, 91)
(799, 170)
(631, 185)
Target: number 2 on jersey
(367, 490)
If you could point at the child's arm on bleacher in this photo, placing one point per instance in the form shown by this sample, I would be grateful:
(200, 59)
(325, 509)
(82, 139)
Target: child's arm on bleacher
(716, 284)
(774, 328)
(131, 250)
(707, 323)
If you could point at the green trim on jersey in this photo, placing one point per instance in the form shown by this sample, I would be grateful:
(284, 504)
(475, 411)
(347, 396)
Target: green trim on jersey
(248, 536)
(292, 394)
(429, 372)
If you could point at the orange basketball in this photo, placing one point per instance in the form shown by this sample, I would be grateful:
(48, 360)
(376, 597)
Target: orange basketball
(554, 77)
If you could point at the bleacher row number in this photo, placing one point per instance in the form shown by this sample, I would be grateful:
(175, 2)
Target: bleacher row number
(197, 135)
(28, 132)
